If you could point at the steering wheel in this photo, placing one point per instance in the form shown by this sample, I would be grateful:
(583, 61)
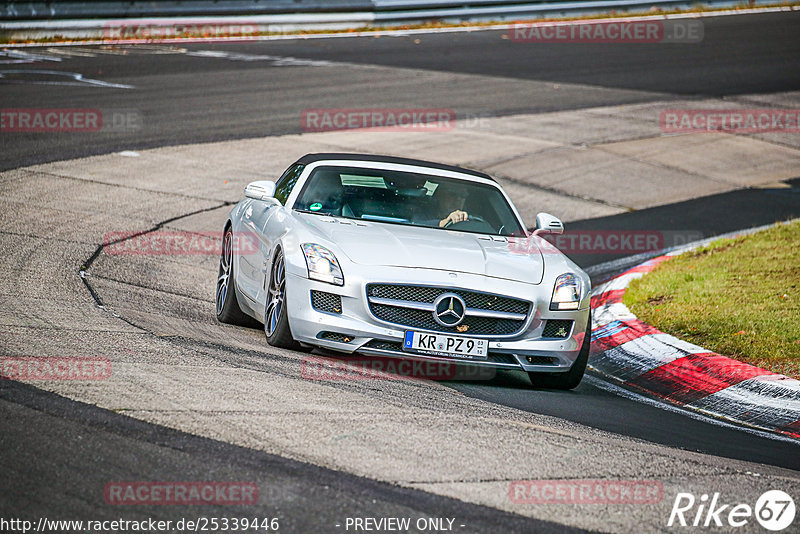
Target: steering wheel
(470, 218)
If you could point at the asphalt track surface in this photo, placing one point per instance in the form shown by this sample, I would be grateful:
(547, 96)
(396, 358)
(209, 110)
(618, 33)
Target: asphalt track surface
(106, 446)
(189, 99)
(186, 99)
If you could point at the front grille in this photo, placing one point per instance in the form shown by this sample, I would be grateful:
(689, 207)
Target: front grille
(395, 346)
(557, 328)
(473, 299)
(326, 302)
(421, 319)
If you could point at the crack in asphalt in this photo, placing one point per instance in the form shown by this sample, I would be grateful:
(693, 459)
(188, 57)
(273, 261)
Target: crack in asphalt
(83, 271)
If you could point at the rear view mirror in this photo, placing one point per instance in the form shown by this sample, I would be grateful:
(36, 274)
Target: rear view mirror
(548, 224)
(261, 190)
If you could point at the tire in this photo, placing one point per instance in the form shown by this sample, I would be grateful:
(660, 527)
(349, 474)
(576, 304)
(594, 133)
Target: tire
(228, 310)
(276, 317)
(571, 378)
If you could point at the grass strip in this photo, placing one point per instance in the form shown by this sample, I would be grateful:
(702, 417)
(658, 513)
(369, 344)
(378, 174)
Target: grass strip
(737, 297)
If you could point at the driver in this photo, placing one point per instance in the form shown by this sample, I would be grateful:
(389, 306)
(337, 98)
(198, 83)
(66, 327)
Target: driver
(451, 197)
(326, 195)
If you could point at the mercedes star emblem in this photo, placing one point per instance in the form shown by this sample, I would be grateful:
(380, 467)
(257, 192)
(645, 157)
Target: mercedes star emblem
(449, 309)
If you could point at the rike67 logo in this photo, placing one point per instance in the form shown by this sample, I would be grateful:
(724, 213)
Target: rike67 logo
(774, 510)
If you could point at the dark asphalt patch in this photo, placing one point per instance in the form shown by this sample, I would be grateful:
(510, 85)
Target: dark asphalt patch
(58, 462)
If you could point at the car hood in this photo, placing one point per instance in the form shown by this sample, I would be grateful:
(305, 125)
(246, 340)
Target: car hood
(393, 245)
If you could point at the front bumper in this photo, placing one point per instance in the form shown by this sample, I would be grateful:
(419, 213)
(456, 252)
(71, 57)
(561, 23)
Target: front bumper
(357, 330)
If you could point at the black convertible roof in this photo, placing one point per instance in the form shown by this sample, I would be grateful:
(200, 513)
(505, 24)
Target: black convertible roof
(311, 158)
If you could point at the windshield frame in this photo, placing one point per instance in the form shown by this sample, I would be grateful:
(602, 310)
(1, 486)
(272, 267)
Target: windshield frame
(303, 182)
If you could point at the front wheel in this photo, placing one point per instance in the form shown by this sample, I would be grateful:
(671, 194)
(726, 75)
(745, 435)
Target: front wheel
(228, 310)
(571, 378)
(276, 317)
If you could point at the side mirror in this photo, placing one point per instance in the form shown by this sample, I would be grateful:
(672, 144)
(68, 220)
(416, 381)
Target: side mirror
(548, 224)
(261, 190)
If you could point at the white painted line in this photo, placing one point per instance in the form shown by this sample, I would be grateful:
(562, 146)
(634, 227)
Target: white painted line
(20, 56)
(278, 61)
(69, 52)
(76, 77)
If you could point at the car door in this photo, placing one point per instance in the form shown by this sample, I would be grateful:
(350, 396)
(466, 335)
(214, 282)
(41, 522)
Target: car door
(252, 247)
(260, 236)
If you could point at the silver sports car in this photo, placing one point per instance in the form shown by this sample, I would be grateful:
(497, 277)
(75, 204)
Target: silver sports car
(402, 258)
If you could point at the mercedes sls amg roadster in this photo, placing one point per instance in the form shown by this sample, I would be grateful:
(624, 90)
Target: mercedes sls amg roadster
(401, 258)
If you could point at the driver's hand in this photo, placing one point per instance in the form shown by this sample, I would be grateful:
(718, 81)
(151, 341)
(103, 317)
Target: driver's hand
(455, 217)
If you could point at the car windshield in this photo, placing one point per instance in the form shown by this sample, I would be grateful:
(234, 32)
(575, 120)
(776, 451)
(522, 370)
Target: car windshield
(409, 199)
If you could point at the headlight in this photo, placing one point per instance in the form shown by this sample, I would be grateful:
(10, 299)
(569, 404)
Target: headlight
(567, 292)
(322, 264)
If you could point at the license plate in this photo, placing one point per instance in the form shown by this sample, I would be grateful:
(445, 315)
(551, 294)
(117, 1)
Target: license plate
(444, 345)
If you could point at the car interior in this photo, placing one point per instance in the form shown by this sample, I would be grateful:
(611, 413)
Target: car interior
(404, 198)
